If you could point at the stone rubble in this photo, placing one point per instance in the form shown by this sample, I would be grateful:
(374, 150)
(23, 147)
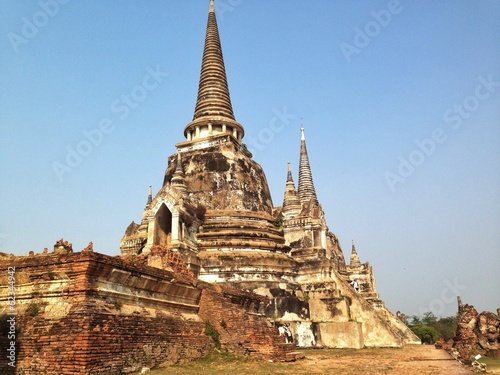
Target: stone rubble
(476, 334)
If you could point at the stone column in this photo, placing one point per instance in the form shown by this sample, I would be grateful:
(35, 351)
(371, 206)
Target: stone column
(150, 241)
(175, 225)
(323, 239)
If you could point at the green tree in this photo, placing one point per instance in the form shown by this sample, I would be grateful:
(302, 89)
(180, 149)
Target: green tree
(415, 319)
(427, 334)
(444, 326)
(429, 319)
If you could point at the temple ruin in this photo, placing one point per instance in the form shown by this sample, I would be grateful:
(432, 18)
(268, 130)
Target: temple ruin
(476, 333)
(212, 263)
(89, 313)
(216, 211)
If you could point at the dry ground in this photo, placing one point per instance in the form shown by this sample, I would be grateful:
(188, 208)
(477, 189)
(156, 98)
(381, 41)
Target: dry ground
(411, 360)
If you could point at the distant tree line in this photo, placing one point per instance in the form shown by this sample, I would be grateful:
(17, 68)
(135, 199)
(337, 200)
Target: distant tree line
(429, 328)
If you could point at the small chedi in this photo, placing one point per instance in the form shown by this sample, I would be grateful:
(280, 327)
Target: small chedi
(212, 263)
(215, 210)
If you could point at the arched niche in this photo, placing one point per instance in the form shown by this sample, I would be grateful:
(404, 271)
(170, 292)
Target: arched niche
(163, 227)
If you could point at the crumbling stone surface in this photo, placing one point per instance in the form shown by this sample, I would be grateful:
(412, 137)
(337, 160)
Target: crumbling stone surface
(89, 247)
(442, 344)
(243, 330)
(168, 259)
(465, 337)
(223, 177)
(476, 333)
(489, 330)
(63, 247)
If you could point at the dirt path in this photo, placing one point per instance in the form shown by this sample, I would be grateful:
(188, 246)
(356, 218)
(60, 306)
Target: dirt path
(411, 360)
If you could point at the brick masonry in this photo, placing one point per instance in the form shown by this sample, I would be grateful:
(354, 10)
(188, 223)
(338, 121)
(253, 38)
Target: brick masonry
(88, 313)
(239, 318)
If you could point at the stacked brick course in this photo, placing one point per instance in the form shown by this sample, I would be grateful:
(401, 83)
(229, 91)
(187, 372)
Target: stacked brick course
(238, 317)
(106, 344)
(88, 313)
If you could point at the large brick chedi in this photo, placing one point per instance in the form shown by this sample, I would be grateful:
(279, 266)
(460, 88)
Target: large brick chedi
(215, 210)
(211, 254)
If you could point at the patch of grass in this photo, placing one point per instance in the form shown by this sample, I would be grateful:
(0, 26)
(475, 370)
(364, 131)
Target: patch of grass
(278, 222)
(33, 309)
(225, 363)
(217, 362)
(213, 333)
(492, 365)
(410, 360)
(218, 356)
(117, 304)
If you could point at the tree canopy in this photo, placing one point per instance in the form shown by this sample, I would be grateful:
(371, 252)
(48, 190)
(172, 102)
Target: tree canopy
(429, 328)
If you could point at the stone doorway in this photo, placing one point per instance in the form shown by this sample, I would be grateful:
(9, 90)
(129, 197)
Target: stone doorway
(163, 227)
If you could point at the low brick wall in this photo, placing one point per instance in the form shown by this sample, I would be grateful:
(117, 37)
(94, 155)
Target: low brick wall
(88, 313)
(106, 344)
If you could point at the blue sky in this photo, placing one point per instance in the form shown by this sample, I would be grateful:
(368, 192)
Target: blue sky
(400, 101)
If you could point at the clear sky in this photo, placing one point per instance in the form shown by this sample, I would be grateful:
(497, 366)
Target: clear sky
(400, 101)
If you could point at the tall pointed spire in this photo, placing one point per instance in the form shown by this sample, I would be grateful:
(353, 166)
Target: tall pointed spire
(178, 176)
(213, 91)
(306, 186)
(289, 178)
(354, 261)
(291, 202)
(150, 196)
(213, 113)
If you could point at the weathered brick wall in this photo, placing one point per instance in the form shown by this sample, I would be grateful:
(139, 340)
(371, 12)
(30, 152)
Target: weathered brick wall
(238, 317)
(87, 324)
(107, 344)
(88, 313)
